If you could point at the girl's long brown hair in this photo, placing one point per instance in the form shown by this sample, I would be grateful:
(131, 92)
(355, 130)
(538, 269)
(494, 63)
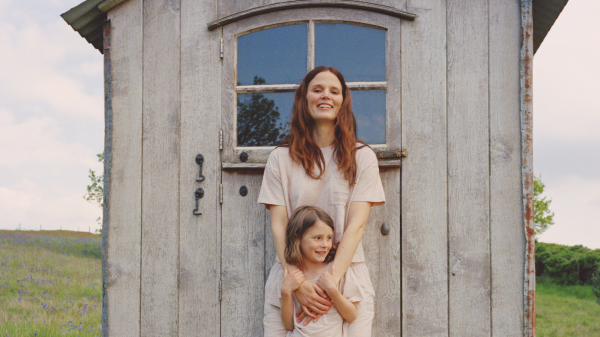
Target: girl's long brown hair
(303, 218)
(304, 151)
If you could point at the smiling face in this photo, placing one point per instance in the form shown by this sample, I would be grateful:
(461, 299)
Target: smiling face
(316, 242)
(324, 97)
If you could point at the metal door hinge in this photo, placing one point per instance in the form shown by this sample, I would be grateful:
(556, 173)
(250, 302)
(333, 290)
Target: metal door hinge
(221, 47)
(220, 193)
(220, 290)
(221, 139)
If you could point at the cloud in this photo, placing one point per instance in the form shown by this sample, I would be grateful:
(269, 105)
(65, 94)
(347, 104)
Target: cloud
(48, 65)
(576, 205)
(51, 117)
(49, 175)
(567, 76)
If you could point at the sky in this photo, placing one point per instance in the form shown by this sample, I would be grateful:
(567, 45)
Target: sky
(52, 120)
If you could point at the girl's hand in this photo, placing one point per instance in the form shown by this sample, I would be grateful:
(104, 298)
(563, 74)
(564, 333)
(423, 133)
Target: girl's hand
(291, 281)
(327, 282)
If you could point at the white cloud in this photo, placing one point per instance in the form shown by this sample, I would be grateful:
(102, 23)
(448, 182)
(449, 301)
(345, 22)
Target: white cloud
(35, 63)
(53, 176)
(567, 76)
(51, 117)
(566, 118)
(576, 205)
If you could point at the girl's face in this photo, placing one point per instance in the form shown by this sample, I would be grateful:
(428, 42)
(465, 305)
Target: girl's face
(317, 242)
(324, 97)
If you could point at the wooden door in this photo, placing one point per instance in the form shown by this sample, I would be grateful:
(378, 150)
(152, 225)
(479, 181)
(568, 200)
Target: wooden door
(251, 99)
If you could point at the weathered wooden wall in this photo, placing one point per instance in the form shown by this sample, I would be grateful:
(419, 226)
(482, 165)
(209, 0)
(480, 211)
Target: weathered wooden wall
(460, 199)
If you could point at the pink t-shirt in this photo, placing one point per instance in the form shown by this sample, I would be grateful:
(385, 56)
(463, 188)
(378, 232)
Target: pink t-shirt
(287, 184)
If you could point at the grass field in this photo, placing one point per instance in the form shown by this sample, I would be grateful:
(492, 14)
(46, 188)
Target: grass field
(50, 283)
(566, 310)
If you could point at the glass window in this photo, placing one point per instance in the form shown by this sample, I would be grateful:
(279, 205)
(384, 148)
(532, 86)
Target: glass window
(271, 63)
(263, 118)
(369, 110)
(357, 51)
(276, 55)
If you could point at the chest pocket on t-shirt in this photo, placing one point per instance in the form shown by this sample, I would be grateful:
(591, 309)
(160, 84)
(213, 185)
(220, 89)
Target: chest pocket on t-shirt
(339, 189)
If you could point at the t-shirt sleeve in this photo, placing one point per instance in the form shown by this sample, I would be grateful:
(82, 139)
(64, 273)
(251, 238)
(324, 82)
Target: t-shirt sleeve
(271, 189)
(368, 185)
(350, 287)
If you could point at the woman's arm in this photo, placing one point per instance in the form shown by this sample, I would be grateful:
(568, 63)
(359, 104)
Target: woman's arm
(358, 213)
(279, 221)
(309, 295)
(347, 309)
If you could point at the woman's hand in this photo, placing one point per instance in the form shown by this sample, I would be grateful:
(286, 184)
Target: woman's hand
(314, 301)
(291, 281)
(327, 282)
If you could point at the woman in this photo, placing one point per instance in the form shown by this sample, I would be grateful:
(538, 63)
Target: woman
(321, 164)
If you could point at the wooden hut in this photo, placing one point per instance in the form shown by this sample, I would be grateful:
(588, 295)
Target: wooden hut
(186, 247)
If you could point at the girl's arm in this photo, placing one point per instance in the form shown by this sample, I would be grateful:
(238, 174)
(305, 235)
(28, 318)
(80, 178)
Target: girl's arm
(358, 213)
(287, 311)
(291, 281)
(347, 309)
(309, 295)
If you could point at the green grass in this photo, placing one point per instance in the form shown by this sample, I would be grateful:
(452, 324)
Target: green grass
(50, 284)
(566, 310)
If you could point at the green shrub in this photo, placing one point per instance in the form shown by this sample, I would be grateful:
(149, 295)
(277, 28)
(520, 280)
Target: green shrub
(566, 265)
(596, 287)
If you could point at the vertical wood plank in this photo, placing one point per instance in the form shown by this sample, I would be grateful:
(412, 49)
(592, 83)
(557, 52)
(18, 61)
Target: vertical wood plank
(123, 250)
(424, 172)
(160, 188)
(270, 252)
(507, 237)
(200, 235)
(243, 255)
(468, 168)
(382, 254)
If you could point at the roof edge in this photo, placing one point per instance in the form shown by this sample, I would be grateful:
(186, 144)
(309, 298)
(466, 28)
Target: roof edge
(87, 20)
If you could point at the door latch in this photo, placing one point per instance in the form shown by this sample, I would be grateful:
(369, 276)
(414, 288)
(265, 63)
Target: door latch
(200, 161)
(198, 195)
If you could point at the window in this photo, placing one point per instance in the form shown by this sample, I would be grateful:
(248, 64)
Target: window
(271, 59)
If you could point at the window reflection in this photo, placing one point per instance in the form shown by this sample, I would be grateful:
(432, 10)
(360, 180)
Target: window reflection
(263, 118)
(278, 55)
(369, 110)
(357, 51)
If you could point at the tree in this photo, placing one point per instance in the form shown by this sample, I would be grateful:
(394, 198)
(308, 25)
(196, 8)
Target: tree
(543, 217)
(257, 120)
(95, 191)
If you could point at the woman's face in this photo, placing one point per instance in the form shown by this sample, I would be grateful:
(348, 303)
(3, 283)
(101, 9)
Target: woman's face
(316, 242)
(324, 97)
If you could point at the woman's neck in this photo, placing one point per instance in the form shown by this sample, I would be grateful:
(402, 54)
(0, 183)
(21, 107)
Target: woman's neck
(324, 134)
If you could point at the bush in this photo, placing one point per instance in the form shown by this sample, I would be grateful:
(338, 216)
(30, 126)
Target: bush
(596, 287)
(566, 265)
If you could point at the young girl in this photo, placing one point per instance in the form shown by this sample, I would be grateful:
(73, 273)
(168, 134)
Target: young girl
(309, 246)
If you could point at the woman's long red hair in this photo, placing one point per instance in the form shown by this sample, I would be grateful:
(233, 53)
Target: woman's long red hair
(304, 151)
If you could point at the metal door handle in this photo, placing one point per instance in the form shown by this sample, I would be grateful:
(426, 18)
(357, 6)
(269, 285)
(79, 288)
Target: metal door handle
(198, 195)
(200, 161)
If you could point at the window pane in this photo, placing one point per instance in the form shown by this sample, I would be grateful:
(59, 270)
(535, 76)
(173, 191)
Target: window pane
(357, 51)
(263, 118)
(369, 110)
(276, 55)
